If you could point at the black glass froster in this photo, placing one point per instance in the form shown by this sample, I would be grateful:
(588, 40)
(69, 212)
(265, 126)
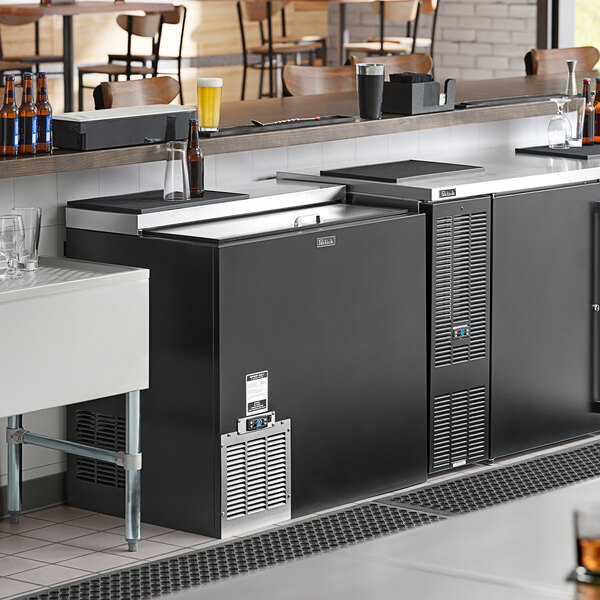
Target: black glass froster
(369, 85)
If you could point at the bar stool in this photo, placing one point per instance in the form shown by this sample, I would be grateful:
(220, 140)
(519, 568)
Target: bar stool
(147, 26)
(397, 11)
(136, 92)
(540, 62)
(256, 12)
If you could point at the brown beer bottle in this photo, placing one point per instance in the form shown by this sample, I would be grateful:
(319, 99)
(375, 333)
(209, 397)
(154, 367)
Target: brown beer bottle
(589, 115)
(27, 118)
(9, 120)
(44, 115)
(195, 161)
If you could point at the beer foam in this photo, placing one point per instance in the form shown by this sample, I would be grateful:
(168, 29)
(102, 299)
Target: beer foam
(209, 82)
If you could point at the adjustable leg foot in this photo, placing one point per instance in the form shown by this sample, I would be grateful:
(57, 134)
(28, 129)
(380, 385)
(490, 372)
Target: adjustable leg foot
(14, 472)
(132, 477)
(133, 545)
(14, 518)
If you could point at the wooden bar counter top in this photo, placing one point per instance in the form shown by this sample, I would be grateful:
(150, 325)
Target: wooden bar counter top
(240, 113)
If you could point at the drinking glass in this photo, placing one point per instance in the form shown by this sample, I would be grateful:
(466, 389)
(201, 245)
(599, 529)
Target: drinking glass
(559, 128)
(32, 220)
(177, 186)
(575, 112)
(12, 238)
(209, 102)
(587, 532)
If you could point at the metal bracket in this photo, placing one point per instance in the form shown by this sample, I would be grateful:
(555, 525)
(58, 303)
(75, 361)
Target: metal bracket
(130, 462)
(15, 436)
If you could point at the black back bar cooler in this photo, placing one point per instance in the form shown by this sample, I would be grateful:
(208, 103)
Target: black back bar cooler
(458, 300)
(287, 354)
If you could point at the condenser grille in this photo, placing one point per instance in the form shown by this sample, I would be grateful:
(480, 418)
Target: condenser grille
(278, 546)
(460, 279)
(104, 431)
(459, 428)
(256, 475)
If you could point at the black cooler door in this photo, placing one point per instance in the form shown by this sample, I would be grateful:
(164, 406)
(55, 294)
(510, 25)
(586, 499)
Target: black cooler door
(336, 317)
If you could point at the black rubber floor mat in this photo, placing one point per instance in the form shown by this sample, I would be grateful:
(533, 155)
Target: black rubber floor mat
(504, 483)
(275, 546)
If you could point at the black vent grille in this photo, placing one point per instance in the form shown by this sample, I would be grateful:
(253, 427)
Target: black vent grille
(105, 431)
(461, 265)
(459, 428)
(256, 475)
(503, 484)
(306, 538)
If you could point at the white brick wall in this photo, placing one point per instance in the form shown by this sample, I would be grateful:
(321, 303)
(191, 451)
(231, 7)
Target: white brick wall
(475, 38)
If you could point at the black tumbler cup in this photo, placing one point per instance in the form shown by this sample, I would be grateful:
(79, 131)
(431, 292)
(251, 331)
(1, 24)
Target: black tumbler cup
(369, 84)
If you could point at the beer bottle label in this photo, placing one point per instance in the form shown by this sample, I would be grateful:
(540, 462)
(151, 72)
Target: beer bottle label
(10, 133)
(28, 131)
(48, 132)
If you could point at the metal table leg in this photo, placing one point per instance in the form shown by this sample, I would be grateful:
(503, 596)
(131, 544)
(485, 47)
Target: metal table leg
(132, 477)
(270, 43)
(343, 36)
(68, 61)
(14, 472)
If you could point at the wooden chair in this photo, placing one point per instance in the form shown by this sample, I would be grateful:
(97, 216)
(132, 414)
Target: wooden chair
(175, 17)
(427, 7)
(136, 92)
(307, 80)
(35, 59)
(7, 66)
(399, 63)
(147, 26)
(256, 12)
(555, 60)
(398, 11)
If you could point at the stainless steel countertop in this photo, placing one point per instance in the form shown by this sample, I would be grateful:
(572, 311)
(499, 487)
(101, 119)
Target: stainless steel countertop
(504, 172)
(59, 275)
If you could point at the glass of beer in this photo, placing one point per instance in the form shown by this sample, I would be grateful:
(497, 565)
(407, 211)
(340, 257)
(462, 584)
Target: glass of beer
(209, 102)
(587, 530)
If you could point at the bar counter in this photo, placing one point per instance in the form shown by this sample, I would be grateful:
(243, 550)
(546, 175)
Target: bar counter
(240, 113)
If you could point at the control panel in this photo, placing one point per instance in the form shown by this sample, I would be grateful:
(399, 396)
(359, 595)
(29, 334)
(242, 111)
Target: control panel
(460, 332)
(256, 423)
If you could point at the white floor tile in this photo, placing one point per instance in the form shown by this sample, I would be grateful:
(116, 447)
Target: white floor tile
(50, 575)
(97, 541)
(99, 522)
(11, 588)
(58, 533)
(147, 531)
(61, 514)
(9, 565)
(54, 553)
(15, 544)
(146, 549)
(100, 561)
(181, 538)
(25, 524)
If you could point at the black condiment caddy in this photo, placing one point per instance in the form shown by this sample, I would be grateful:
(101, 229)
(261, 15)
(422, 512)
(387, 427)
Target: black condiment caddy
(417, 98)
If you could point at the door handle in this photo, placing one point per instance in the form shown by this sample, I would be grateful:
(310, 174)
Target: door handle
(307, 220)
(595, 406)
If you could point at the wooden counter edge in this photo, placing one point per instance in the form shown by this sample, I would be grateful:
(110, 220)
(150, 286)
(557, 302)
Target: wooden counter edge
(63, 161)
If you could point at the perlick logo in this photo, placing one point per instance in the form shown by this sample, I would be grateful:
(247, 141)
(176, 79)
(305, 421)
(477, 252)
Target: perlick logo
(323, 242)
(451, 193)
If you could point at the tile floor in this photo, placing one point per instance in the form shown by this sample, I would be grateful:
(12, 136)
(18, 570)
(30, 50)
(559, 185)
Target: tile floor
(63, 544)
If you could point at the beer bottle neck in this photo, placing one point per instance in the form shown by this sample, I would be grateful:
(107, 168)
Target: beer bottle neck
(27, 91)
(193, 138)
(42, 94)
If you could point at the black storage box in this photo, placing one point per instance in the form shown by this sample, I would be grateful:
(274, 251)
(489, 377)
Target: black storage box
(417, 98)
(119, 127)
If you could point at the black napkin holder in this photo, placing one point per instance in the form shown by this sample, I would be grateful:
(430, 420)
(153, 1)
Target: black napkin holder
(417, 98)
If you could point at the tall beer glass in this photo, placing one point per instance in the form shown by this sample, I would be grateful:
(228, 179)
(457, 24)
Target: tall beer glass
(209, 102)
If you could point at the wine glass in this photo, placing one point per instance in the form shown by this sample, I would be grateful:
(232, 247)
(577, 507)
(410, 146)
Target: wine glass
(559, 128)
(12, 238)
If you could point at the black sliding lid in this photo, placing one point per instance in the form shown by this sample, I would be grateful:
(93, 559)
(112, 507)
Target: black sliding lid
(150, 202)
(394, 172)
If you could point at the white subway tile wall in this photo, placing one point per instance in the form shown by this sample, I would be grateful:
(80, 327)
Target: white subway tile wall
(52, 192)
(476, 39)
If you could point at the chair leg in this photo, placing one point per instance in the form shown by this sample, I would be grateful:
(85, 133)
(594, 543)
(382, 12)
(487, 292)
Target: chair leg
(262, 76)
(311, 58)
(80, 90)
(324, 61)
(244, 80)
(180, 82)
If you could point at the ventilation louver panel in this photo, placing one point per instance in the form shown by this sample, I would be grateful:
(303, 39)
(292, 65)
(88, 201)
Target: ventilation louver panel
(459, 428)
(104, 431)
(460, 277)
(256, 473)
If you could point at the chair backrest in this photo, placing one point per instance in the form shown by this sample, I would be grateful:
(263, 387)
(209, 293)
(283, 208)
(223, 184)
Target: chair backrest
(141, 25)
(18, 20)
(139, 92)
(554, 60)
(429, 6)
(173, 17)
(399, 11)
(306, 81)
(256, 10)
(399, 63)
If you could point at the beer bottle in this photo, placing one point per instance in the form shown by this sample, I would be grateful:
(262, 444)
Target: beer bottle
(44, 115)
(589, 115)
(27, 118)
(9, 120)
(195, 161)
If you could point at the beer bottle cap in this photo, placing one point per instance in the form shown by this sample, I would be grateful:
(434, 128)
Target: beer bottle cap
(40, 73)
(587, 79)
(196, 120)
(9, 77)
